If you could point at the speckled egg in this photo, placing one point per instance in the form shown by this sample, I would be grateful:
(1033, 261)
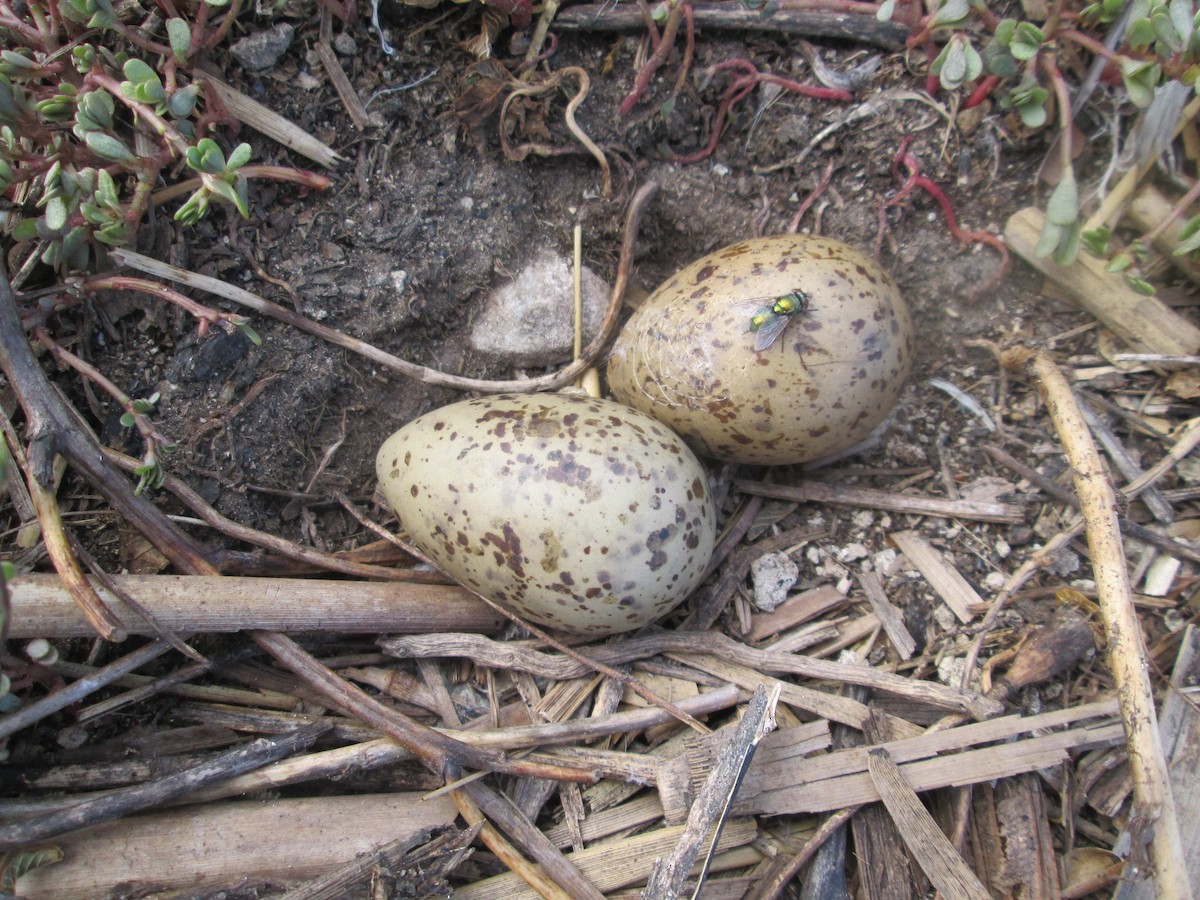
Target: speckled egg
(770, 351)
(583, 515)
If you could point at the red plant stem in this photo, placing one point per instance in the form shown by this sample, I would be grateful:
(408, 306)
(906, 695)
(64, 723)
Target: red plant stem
(990, 19)
(732, 95)
(983, 89)
(808, 90)
(142, 422)
(816, 192)
(199, 24)
(739, 88)
(29, 35)
(202, 313)
(1090, 44)
(231, 15)
(651, 25)
(1063, 101)
(914, 179)
(932, 82)
(1055, 17)
(142, 41)
(657, 58)
(304, 177)
(173, 138)
(689, 49)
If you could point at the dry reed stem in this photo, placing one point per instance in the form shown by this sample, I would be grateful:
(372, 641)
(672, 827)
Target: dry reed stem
(1154, 805)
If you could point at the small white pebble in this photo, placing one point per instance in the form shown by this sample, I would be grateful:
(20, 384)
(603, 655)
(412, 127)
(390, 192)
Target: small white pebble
(993, 581)
(852, 552)
(950, 670)
(1003, 548)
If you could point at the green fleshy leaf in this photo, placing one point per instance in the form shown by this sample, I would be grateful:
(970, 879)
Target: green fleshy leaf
(1048, 239)
(56, 214)
(1034, 114)
(951, 12)
(886, 10)
(1098, 241)
(1140, 34)
(1164, 30)
(183, 102)
(1027, 39)
(138, 72)
(1140, 79)
(238, 158)
(1140, 285)
(1063, 206)
(179, 33)
(25, 230)
(1067, 250)
(997, 60)
(108, 147)
(224, 190)
(244, 328)
(1119, 263)
(1182, 17)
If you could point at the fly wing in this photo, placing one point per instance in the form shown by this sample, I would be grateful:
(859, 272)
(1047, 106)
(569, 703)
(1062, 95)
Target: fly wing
(771, 329)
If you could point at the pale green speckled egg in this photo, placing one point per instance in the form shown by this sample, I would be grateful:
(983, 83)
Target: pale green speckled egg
(584, 515)
(833, 371)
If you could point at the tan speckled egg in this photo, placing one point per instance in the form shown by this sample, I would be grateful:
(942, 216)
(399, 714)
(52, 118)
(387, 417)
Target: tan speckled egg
(838, 350)
(582, 514)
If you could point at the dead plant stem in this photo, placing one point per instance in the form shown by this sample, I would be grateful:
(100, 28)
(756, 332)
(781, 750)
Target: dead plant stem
(1154, 809)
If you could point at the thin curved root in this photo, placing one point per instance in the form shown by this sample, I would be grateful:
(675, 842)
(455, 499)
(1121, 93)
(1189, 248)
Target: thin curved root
(521, 151)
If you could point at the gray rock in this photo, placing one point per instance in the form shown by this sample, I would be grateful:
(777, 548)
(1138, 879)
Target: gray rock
(773, 575)
(530, 320)
(263, 49)
(345, 45)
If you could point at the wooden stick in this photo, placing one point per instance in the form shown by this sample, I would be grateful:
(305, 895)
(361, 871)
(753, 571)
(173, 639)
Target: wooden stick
(818, 492)
(715, 797)
(424, 864)
(1147, 210)
(434, 749)
(228, 842)
(1155, 806)
(132, 799)
(784, 868)
(42, 606)
(1051, 487)
(956, 592)
(710, 14)
(1181, 734)
(508, 655)
(39, 709)
(928, 844)
(506, 852)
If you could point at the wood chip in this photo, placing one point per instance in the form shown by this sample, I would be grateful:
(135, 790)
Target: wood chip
(942, 577)
(927, 842)
(889, 616)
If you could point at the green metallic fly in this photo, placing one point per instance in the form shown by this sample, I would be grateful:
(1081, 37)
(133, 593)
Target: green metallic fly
(768, 322)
